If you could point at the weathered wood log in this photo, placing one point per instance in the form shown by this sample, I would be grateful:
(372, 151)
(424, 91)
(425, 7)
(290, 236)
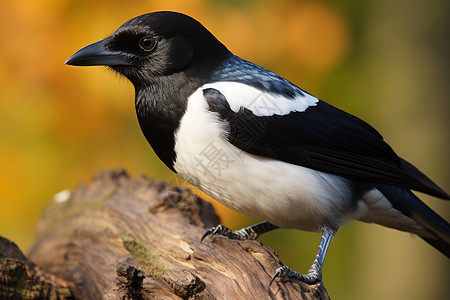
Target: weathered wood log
(22, 279)
(122, 238)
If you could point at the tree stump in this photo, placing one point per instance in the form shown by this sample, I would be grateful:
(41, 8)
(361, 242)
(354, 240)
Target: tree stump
(123, 238)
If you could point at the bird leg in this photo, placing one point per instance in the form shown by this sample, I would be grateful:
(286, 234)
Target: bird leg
(247, 233)
(315, 272)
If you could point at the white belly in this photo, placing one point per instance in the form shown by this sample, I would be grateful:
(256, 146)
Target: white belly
(283, 194)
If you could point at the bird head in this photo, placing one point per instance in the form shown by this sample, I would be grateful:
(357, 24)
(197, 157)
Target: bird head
(153, 45)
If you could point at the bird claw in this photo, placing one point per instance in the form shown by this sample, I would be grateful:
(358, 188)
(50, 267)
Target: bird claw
(313, 275)
(280, 272)
(216, 230)
(242, 234)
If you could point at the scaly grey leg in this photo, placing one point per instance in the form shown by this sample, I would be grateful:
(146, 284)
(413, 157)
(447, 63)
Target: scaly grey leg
(315, 272)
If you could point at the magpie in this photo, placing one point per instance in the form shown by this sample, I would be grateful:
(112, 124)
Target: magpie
(259, 144)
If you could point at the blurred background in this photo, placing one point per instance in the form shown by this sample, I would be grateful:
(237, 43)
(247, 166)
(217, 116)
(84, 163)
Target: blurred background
(385, 61)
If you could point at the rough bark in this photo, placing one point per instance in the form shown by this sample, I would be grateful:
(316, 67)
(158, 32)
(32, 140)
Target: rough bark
(22, 279)
(122, 238)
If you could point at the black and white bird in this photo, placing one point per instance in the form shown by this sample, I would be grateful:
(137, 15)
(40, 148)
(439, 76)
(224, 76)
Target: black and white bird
(259, 144)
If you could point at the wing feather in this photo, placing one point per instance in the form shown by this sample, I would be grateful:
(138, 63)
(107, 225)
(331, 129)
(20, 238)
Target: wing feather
(323, 138)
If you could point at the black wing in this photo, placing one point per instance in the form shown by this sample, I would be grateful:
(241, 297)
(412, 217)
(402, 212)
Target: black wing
(323, 138)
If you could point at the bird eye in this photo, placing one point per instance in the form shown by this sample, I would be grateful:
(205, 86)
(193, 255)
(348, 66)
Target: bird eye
(147, 43)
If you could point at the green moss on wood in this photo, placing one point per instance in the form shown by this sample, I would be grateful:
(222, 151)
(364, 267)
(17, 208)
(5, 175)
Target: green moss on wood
(147, 261)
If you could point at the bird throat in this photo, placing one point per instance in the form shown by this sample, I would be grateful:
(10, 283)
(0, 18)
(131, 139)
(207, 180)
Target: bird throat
(159, 117)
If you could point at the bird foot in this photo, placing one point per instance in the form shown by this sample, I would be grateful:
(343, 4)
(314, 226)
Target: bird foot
(242, 234)
(313, 275)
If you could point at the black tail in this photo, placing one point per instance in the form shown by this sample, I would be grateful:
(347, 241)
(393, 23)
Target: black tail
(434, 224)
(437, 229)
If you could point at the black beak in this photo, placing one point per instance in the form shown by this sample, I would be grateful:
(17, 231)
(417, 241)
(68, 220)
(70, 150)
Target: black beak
(96, 54)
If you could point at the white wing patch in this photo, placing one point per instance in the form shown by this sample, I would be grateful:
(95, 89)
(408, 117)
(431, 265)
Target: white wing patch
(260, 103)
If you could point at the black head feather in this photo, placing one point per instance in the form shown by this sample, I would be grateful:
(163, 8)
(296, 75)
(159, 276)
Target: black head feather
(181, 43)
